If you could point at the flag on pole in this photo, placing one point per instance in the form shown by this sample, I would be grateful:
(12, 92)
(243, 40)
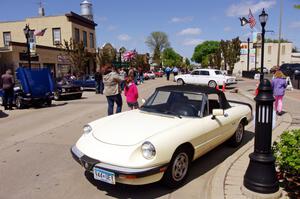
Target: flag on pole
(251, 19)
(40, 32)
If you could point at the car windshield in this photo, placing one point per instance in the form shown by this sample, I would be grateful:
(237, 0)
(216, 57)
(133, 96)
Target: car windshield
(175, 103)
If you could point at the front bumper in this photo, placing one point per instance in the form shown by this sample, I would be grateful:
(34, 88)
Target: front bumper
(70, 93)
(123, 174)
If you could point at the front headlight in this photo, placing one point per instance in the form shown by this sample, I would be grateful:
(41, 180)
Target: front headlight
(63, 90)
(81, 88)
(148, 150)
(87, 129)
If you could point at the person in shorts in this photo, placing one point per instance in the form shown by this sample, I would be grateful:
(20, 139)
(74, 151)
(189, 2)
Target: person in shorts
(131, 93)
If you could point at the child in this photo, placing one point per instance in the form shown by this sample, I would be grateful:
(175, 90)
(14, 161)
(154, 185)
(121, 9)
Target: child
(131, 93)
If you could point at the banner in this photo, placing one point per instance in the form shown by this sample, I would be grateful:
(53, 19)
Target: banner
(32, 42)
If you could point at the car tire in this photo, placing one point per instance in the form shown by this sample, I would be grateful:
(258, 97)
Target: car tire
(212, 84)
(237, 138)
(56, 96)
(19, 103)
(49, 102)
(180, 81)
(1, 101)
(178, 169)
(78, 96)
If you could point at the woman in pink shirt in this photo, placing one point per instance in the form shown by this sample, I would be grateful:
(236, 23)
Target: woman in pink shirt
(131, 93)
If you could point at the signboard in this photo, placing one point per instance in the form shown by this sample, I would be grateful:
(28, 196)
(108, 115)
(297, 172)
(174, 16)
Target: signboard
(256, 39)
(32, 42)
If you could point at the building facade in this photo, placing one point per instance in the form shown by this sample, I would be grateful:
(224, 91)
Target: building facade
(47, 50)
(270, 56)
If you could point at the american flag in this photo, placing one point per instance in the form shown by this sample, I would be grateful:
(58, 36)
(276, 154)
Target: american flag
(40, 32)
(251, 19)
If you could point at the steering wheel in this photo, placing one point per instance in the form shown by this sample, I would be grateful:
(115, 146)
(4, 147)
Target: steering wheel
(195, 110)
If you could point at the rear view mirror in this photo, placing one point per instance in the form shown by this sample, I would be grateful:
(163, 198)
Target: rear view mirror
(217, 112)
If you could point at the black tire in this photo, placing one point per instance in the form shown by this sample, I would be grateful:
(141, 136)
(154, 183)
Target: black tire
(78, 96)
(212, 84)
(19, 103)
(56, 96)
(178, 169)
(237, 138)
(180, 81)
(49, 102)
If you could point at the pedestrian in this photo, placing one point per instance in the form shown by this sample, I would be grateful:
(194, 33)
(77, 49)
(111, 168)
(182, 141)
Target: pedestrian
(7, 84)
(131, 93)
(123, 76)
(99, 81)
(175, 71)
(112, 89)
(168, 71)
(279, 85)
(141, 75)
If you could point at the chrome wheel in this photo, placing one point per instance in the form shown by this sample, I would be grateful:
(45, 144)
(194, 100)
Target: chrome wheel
(180, 82)
(56, 96)
(212, 84)
(180, 166)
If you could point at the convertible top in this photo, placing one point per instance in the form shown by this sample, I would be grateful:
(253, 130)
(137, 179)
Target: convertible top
(197, 89)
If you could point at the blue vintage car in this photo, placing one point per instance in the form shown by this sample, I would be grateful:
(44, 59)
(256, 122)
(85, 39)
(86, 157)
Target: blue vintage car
(34, 87)
(86, 82)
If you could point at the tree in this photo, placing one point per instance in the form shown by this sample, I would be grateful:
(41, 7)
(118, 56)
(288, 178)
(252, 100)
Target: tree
(106, 55)
(157, 42)
(77, 55)
(202, 51)
(171, 58)
(234, 52)
(215, 59)
(224, 47)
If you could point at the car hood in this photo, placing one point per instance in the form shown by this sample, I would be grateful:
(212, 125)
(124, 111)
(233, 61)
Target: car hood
(132, 127)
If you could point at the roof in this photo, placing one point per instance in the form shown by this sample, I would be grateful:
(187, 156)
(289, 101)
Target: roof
(190, 88)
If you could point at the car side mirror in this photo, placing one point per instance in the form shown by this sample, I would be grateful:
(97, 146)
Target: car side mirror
(217, 112)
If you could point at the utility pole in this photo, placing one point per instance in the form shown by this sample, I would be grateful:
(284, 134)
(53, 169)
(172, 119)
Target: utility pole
(248, 54)
(279, 39)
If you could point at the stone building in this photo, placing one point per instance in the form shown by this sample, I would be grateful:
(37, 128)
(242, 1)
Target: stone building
(47, 50)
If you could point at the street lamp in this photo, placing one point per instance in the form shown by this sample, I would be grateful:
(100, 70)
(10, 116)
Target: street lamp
(263, 18)
(260, 175)
(27, 35)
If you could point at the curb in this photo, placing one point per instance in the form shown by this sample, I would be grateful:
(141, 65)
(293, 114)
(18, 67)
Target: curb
(217, 190)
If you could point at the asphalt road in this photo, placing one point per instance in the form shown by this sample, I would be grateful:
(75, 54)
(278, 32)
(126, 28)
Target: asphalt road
(35, 159)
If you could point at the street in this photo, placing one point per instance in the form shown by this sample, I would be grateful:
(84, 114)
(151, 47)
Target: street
(36, 160)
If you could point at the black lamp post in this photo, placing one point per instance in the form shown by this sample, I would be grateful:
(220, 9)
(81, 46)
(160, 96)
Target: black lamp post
(260, 175)
(27, 35)
(263, 18)
(248, 54)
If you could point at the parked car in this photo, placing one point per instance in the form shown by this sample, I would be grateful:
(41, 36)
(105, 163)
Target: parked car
(66, 89)
(86, 82)
(208, 77)
(179, 124)
(159, 73)
(34, 87)
(149, 75)
(290, 69)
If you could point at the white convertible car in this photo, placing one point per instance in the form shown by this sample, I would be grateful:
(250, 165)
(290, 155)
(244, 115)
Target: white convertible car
(207, 77)
(175, 126)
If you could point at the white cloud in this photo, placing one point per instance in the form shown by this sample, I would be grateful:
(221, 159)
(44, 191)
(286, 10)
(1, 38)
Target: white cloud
(227, 29)
(192, 42)
(295, 24)
(111, 28)
(124, 37)
(181, 19)
(242, 9)
(190, 31)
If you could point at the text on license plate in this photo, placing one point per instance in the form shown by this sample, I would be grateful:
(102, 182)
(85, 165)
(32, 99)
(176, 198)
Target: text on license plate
(104, 176)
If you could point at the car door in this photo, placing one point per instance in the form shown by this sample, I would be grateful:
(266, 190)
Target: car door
(203, 77)
(189, 78)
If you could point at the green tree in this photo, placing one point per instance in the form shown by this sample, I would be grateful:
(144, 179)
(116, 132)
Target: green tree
(202, 51)
(77, 55)
(276, 41)
(106, 55)
(234, 52)
(215, 59)
(171, 58)
(157, 42)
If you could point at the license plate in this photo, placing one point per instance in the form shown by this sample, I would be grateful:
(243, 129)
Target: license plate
(104, 176)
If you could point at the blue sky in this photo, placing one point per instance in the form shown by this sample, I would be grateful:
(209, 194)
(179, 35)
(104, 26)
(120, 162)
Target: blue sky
(187, 23)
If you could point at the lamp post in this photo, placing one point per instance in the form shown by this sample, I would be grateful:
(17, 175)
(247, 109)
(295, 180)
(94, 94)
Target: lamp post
(263, 18)
(27, 35)
(260, 175)
(248, 54)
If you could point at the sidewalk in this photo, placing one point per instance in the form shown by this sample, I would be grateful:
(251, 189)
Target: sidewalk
(228, 180)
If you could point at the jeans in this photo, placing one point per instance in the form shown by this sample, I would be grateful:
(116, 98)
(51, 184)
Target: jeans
(141, 79)
(8, 96)
(111, 101)
(99, 87)
(278, 103)
(168, 76)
